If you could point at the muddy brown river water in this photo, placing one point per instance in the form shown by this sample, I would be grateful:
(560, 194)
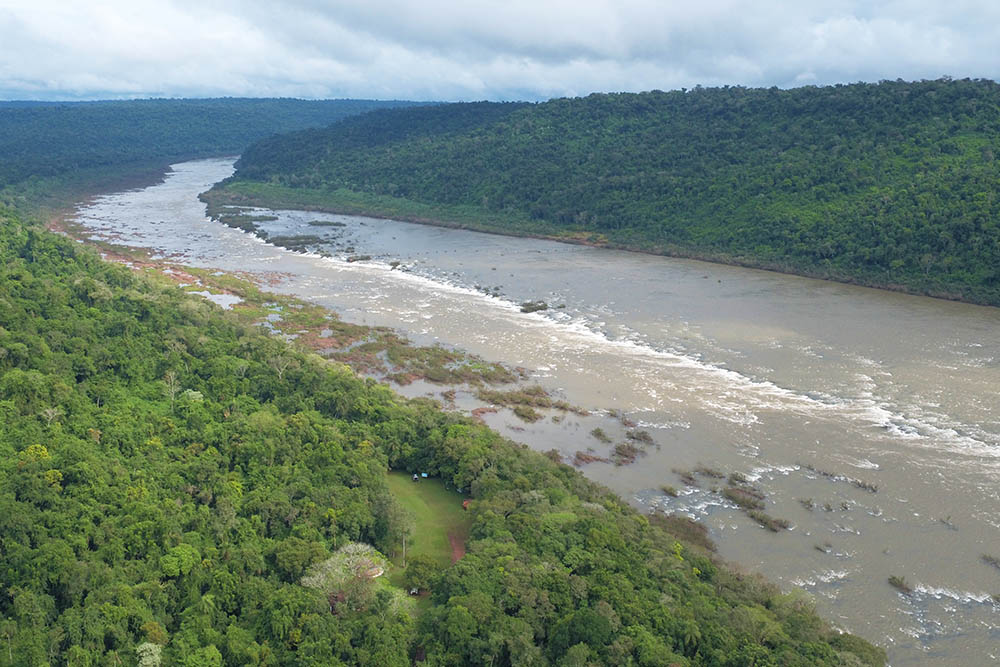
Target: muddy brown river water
(814, 390)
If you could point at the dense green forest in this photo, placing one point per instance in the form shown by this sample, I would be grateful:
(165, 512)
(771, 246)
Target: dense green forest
(179, 488)
(46, 145)
(890, 184)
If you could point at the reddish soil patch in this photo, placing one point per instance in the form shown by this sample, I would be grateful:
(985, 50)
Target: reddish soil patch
(58, 225)
(457, 543)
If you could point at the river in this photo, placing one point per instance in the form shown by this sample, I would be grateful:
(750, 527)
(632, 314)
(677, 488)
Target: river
(818, 392)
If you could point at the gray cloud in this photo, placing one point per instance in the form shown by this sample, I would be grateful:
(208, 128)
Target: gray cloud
(475, 49)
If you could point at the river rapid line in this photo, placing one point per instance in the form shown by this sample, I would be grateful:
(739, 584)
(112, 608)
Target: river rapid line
(870, 419)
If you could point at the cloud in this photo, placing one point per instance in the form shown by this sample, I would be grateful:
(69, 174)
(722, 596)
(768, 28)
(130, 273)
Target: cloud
(475, 49)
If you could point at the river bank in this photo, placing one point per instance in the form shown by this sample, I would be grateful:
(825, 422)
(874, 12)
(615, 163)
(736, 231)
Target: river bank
(491, 392)
(345, 202)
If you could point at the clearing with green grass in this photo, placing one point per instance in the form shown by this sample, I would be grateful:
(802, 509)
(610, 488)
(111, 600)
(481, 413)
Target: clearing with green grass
(440, 524)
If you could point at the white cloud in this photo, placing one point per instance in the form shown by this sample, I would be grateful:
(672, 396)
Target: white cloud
(498, 49)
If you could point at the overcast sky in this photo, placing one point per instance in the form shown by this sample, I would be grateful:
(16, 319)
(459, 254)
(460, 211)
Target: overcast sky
(479, 49)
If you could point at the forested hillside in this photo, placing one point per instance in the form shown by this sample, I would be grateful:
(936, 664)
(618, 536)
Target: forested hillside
(53, 140)
(891, 184)
(178, 488)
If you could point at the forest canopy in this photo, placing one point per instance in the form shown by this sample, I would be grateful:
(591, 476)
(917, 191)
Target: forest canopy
(54, 142)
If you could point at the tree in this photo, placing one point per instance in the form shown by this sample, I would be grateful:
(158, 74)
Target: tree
(583, 625)
(51, 414)
(393, 525)
(148, 654)
(294, 555)
(171, 386)
(420, 571)
(347, 577)
(281, 364)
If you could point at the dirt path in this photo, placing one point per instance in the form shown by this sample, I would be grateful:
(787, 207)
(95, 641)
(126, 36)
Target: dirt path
(457, 543)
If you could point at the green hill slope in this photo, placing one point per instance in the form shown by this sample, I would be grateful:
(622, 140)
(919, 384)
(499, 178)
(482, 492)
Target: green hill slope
(891, 184)
(48, 145)
(179, 488)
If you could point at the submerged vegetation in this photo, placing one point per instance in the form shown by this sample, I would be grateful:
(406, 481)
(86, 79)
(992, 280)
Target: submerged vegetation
(899, 583)
(748, 499)
(625, 453)
(524, 400)
(888, 184)
(773, 524)
(378, 352)
(836, 477)
(599, 434)
(740, 492)
(533, 306)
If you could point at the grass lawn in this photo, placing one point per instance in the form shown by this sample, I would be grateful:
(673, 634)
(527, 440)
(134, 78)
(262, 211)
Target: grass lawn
(439, 522)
